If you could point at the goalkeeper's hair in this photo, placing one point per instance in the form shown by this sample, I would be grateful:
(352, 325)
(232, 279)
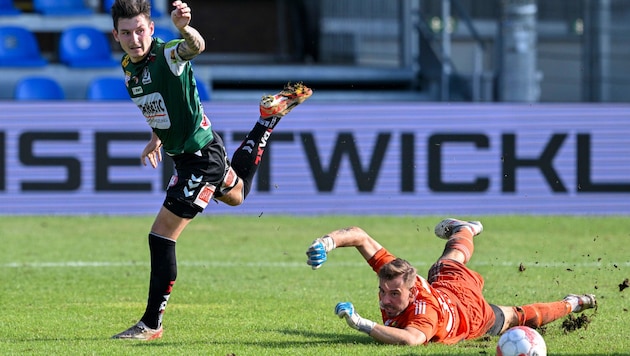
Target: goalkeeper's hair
(397, 268)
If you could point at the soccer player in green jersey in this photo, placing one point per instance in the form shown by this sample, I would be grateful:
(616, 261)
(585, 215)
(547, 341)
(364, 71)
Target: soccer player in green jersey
(160, 81)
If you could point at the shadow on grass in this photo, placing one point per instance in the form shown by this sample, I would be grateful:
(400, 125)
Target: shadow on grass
(310, 339)
(320, 338)
(329, 338)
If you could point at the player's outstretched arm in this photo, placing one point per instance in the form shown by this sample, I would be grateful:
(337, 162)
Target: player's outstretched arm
(317, 252)
(193, 43)
(382, 333)
(391, 335)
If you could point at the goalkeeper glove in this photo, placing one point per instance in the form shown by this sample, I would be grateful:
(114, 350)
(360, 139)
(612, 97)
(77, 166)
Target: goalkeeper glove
(346, 310)
(318, 251)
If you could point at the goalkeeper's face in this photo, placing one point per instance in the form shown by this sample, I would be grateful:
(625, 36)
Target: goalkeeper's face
(394, 296)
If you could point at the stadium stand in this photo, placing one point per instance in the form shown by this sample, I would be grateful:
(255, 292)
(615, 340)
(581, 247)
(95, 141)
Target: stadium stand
(231, 74)
(202, 88)
(85, 47)
(165, 33)
(62, 7)
(107, 8)
(7, 8)
(113, 88)
(107, 88)
(38, 88)
(19, 48)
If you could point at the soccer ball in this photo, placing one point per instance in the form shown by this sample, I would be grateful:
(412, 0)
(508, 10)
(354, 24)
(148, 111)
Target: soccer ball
(521, 341)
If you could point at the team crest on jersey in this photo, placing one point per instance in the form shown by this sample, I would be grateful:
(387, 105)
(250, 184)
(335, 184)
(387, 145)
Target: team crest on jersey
(146, 76)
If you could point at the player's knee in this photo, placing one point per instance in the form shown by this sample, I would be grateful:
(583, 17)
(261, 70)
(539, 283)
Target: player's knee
(234, 197)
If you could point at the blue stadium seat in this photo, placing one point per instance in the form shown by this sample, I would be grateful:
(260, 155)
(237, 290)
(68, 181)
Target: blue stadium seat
(165, 33)
(202, 89)
(107, 88)
(38, 88)
(19, 48)
(61, 7)
(113, 88)
(85, 47)
(8, 9)
(107, 8)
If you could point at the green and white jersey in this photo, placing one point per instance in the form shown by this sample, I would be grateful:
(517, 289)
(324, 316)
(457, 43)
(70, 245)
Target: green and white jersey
(164, 88)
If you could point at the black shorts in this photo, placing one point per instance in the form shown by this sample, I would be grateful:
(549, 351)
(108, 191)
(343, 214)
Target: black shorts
(196, 177)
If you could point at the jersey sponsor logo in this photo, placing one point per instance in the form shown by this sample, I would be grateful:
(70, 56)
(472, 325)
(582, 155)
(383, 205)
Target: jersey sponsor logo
(136, 90)
(204, 196)
(154, 110)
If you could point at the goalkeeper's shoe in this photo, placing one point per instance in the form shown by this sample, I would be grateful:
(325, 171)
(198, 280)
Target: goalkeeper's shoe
(447, 227)
(280, 104)
(140, 332)
(581, 302)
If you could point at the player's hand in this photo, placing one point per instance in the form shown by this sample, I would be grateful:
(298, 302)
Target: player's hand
(317, 253)
(353, 319)
(181, 15)
(153, 152)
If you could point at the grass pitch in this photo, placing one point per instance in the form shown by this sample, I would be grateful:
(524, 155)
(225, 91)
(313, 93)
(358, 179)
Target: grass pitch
(70, 283)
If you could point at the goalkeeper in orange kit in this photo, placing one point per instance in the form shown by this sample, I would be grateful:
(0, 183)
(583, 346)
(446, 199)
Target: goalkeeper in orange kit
(448, 306)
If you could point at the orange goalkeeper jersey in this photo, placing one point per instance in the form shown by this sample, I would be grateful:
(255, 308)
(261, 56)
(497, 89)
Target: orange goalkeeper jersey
(445, 311)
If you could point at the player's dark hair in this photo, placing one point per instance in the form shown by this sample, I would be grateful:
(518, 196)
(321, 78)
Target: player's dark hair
(396, 268)
(126, 9)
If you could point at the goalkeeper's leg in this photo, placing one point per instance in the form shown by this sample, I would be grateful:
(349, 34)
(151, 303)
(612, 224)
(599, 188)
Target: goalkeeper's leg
(459, 235)
(539, 314)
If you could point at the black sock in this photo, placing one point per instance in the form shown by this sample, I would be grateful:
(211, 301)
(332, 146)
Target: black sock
(163, 275)
(247, 157)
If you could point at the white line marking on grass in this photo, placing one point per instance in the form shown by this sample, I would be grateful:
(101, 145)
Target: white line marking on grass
(84, 264)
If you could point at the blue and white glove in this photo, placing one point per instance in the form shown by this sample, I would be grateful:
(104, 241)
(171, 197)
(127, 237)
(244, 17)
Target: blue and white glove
(317, 253)
(346, 310)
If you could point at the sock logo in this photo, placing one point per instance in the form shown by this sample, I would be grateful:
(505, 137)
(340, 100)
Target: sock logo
(162, 307)
(248, 146)
(261, 146)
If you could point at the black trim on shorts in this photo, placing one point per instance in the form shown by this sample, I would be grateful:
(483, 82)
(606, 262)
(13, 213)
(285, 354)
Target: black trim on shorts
(499, 320)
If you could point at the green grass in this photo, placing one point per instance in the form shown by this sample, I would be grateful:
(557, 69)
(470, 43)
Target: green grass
(69, 283)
